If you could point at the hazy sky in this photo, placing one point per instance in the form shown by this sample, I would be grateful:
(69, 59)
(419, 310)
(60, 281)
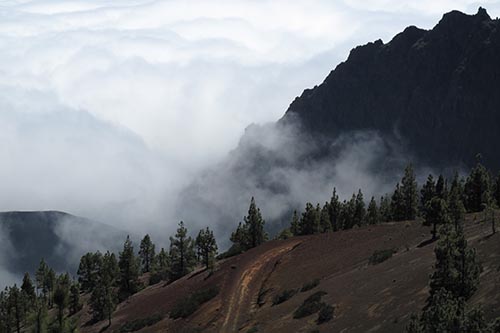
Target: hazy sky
(108, 108)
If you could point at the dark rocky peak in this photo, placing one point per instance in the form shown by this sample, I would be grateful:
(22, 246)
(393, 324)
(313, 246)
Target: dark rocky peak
(438, 89)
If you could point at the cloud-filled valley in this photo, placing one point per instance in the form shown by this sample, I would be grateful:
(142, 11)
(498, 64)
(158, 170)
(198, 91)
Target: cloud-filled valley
(110, 109)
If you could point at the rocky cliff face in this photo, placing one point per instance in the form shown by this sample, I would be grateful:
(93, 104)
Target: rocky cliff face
(427, 97)
(437, 91)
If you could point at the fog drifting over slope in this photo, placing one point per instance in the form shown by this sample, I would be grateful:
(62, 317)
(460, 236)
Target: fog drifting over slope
(109, 109)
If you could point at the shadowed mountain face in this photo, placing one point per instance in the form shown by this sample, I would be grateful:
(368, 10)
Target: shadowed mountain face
(437, 91)
(427, 97)
(58, 237)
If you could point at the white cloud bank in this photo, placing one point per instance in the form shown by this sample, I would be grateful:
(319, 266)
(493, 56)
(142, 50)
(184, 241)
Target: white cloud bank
(108, 108)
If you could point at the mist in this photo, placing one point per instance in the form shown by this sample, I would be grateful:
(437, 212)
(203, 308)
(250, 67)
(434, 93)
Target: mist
(138, 114)
(283, 167)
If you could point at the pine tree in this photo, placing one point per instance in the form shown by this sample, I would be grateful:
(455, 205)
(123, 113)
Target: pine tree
(182, 254)
(496, 191)
(477, 189)
(442, 188)
(129, 270)
(15, 303)
(41, 277)
(161, 267)
(398, 207)
(295, 224)
(206, 247)
(452, 284)
(325, 220)
(28, 289)
(61, 297)
(436, 214)
(372, 216)
(90, 265)
(359, 210)
(456, 207)
(409, 194)
(385, 209)
(103, 299)
(146, 253)
(41, 315)
(50, 283)
(334, 212)
(427, 192)
(254, 224)
(74, 298)
(310, 220)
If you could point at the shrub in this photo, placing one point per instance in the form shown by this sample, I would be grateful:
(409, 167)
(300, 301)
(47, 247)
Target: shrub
(309, 285)
(311, 305)
(254, 329)
(138, 324)
(381, 255)
(189, 305)
(283, 296)
(234, 250)
(325, 313)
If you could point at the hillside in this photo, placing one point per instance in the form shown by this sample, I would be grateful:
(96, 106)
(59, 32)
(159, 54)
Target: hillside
(60, 238)
(367, 298)
(431, 90)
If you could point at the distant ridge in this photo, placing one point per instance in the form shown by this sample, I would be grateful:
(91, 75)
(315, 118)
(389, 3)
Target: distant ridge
(56, 236)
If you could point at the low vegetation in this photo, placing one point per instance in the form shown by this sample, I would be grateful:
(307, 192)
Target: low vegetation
(325, 314)
(283, 296)
(138, 324)
(380, 256)
(310, 306)
(187, 306)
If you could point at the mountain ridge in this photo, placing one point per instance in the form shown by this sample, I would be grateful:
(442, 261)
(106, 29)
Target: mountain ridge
(429, 89)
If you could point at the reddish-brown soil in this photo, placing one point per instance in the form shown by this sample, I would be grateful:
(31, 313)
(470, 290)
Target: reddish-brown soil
(367, 298)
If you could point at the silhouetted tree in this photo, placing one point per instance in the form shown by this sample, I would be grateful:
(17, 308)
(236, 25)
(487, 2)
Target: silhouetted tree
(335, 206)
(103, 299)
(398, 207)
(310, 220)
(129, 265)
(427, 192)
(496, 191)
(436, 214)
(28, 289)
(325, 221)
(206, 247)
(442, 188)
(146, 253)
(161, 267)
(295, 224)
(61, 297)
(477, 189)
(254, 224)
(409, 194)
(385, 209)
(88, 270)
(372, 216)
(182, 254)
(359, 210)
(74, 298)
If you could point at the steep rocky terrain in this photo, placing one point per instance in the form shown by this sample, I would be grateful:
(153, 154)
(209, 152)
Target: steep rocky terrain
(437, 91)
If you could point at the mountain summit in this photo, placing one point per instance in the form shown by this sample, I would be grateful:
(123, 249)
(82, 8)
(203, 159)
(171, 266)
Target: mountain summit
(438, 91)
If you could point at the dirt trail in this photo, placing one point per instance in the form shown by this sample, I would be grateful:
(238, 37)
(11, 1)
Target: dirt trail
(247, 285)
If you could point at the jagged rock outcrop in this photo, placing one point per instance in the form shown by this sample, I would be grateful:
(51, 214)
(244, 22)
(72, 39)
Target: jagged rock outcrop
(438, 91)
